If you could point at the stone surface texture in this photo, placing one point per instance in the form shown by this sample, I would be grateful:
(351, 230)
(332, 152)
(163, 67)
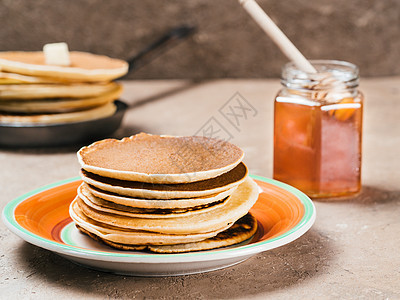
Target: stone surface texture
(351, 252)
(227, 44)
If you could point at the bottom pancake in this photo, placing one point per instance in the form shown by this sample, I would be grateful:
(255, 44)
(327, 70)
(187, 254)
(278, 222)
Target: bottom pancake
(241, 230)
(58, 105)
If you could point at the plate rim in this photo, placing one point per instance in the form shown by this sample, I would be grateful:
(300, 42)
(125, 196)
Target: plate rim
(298, 230)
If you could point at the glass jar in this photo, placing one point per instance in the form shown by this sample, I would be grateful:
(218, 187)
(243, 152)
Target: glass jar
(318, 129)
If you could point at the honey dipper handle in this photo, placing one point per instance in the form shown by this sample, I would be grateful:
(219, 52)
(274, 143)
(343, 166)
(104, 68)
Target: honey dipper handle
(280, 39)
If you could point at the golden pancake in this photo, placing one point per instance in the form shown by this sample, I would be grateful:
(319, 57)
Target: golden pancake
(168, 191)
(122, 210)
(238, 204)
(112, 244)
(135, 237)
(84, 66)
(59, 104)
(242, 230)
(157, 203)
(13, 78)
(26, 92)
(160, 159)
(84, 115)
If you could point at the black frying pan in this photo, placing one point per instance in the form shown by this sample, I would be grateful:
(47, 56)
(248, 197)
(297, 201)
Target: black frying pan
(79, 133)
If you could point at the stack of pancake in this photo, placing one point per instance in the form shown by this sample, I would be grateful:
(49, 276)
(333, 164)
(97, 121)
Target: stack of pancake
(34, 92)
(165, 194)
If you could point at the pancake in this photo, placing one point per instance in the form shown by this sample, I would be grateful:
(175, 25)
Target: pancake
(84, 115)
(160, 159)
(85, 67)
(242, 230)
(122, 210)
(158, 203)
(26, 92)
(237, 206)
(112, 244)
(59, 104)
(132, 237)
(168, 191)
(13, 78)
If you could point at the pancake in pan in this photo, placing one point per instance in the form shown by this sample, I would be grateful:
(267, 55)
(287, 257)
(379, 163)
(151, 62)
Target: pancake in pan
(238, 204)
(168, 191)
(160, 159)
(102, 111)
(58, 105)
(85, 67)
(14, 78)
(26, 92)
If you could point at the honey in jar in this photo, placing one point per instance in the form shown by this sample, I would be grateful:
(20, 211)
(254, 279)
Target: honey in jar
(318, 129)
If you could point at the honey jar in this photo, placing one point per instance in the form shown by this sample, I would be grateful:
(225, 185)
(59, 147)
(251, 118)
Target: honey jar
(318, 129)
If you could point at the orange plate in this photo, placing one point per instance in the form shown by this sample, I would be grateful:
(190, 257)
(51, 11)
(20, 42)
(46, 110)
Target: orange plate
(41, 217)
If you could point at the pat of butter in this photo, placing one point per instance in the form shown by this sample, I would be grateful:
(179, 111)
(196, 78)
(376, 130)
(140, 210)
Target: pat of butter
(56, 54)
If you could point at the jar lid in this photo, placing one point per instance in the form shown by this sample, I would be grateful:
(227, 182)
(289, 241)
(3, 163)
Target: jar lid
(330, 73)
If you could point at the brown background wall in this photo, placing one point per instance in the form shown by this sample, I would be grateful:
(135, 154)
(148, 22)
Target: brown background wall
(228, 43)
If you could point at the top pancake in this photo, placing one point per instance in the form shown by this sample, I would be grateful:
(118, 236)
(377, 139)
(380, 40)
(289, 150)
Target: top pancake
(160, 159)
(14, 78)
(84, 66)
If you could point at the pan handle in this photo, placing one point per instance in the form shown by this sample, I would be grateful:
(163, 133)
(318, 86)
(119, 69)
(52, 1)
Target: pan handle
(166, 41)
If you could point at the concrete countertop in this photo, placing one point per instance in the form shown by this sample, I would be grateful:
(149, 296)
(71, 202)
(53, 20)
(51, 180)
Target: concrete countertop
(352, 251)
